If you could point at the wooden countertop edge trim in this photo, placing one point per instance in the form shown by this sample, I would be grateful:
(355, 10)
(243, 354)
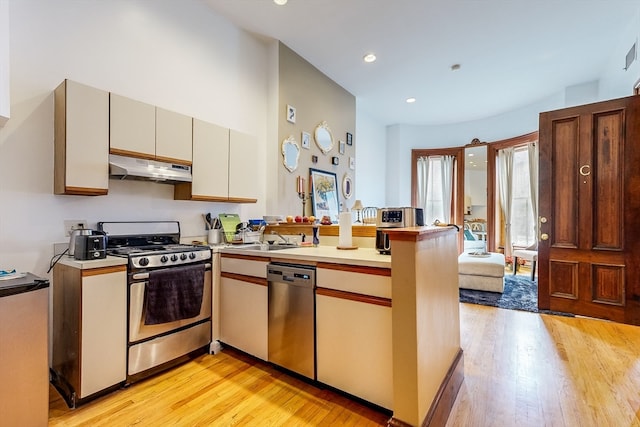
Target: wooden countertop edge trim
(245, 257)
(325, 230)
(414, 234)
(251, 279)
(379, 271)
(352, 296)
(103, 270)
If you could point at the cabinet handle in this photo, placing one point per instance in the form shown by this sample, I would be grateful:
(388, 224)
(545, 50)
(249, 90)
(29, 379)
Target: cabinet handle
(585, 170)
(544, 236)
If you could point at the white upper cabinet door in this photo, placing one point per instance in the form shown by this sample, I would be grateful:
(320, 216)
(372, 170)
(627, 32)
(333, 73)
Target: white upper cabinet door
(174, 133)
(81, 140)
(243, 167)
(133, 127)
(210, 160)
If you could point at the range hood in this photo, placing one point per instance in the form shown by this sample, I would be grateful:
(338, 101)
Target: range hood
(121, 167)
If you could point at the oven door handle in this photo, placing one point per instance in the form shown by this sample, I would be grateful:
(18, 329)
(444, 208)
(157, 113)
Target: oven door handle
(141, 276)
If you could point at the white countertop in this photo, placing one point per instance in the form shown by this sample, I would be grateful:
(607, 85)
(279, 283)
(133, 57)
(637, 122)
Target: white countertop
(109, 261)
(361, 256)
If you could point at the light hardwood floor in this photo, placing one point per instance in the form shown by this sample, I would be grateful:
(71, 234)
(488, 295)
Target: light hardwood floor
(521, 369)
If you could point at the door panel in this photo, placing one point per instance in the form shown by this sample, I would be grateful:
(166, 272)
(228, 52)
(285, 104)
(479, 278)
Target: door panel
(590, 194)
(608, 186)
(565, 206)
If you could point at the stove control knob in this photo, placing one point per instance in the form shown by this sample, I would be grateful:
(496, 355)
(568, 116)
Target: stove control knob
(183, 256)
(164, 259)
(174, 257)
(192, 256)
(144, 261)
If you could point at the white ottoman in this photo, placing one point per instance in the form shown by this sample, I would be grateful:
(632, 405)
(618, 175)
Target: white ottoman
(483, 273)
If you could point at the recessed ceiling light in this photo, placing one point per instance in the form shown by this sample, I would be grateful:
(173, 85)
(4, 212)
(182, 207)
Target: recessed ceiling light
(369, 57)
(280, 2)
(455, 67)
(411, 100)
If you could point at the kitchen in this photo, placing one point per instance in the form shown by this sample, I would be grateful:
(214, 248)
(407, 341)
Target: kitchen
(100, 45)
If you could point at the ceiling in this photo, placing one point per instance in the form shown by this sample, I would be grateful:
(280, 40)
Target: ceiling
(511, 52)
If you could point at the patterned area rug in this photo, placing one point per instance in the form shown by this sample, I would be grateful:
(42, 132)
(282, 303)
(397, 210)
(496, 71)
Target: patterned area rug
(520, 293)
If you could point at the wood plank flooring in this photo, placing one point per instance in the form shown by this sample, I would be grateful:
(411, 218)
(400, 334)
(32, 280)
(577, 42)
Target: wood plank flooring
(521, 369)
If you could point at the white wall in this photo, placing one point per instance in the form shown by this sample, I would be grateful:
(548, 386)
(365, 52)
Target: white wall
(176, 55)
(401, 139)
(370, 142)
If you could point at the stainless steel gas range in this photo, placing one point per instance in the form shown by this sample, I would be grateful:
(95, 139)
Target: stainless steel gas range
(169, 294)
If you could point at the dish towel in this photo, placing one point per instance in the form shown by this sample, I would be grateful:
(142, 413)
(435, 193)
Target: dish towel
(173, 294)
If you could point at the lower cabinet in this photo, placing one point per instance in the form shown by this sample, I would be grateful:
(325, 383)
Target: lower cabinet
(243, 305)
(353, 336)
(89, 348)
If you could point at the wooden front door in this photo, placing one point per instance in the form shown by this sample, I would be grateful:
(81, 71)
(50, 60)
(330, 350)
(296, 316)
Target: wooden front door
(589, 224)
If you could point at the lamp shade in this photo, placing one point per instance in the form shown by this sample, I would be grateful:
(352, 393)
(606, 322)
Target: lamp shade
(357, 206)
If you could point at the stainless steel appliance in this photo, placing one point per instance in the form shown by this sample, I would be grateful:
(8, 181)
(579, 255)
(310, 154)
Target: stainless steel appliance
(169, 285)
(291, 322)
(395, 218)
(400, 217)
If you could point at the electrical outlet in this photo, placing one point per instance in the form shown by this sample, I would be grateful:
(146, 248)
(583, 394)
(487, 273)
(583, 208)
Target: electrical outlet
(73, 224)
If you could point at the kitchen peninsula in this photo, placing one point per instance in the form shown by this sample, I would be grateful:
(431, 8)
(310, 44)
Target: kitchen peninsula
(403, 309)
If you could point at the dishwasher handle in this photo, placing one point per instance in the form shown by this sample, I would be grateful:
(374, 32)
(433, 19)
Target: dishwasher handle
(291, 275)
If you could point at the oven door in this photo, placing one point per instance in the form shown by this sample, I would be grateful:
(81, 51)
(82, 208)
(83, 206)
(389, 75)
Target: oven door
(138, 330)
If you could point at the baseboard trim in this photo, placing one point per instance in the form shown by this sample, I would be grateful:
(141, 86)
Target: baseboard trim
(445, 397)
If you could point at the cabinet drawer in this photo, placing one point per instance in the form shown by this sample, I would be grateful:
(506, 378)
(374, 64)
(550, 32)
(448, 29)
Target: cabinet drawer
(358, 282)
(244, 265)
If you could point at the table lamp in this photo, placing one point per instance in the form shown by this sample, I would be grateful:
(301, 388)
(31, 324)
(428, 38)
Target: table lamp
(357, 206)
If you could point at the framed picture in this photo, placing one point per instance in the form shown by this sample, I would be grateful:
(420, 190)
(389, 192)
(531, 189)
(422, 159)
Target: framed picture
(324, 194)
(341, 147)
(314, 158)
(335, 161)
(349, 139)
(306, 140)
(291, 114)
(352, 163)
(347, 186)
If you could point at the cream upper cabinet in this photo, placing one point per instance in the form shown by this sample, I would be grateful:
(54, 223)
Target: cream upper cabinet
(243, 167)
(224, 168)
(173, 136)
(210, 167)
(133, 127)
(81, 159)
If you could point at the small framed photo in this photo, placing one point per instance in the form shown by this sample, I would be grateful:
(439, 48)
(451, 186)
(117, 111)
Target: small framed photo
(349, 139)
(306, 140)
(335, 161)
(291, 114)
(314, 159)
(352, 162)
(341, 149)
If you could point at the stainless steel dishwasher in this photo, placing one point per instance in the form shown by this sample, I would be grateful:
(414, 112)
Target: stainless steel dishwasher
(292, 317)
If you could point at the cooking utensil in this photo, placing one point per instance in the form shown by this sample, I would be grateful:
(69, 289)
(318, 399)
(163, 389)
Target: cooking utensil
(207, 222)
(208, 218)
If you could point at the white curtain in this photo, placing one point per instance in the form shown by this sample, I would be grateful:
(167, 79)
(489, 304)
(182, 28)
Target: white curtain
(435, 176)
(505, 182)
(447, 186)
(423, 180)
(533, 183)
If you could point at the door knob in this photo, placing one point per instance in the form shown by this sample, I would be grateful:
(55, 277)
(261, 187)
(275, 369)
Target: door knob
(544, 236)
